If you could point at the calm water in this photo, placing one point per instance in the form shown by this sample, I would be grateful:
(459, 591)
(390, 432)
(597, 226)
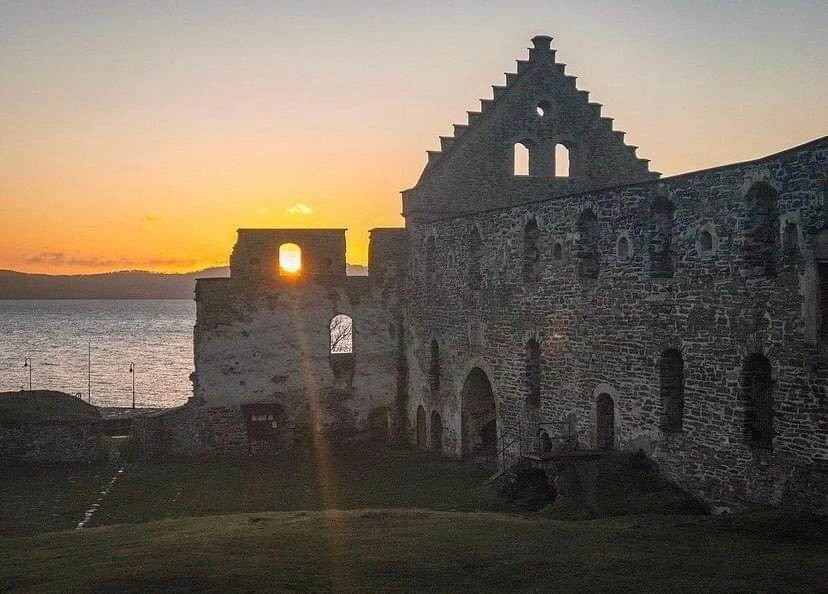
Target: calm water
(156, 334)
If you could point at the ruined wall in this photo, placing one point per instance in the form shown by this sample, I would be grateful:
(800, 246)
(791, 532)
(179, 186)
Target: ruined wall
(609, 282)
(265, 340)
(50, 441)
(473, 171)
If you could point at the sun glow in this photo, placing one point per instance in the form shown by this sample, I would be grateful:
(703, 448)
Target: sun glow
(290, 258)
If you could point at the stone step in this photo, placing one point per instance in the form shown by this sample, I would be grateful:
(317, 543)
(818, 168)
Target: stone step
(460, 129)
(446, 142)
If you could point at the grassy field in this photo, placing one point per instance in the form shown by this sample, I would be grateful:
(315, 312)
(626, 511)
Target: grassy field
(371, 519)
(48, 498)
(418, 550)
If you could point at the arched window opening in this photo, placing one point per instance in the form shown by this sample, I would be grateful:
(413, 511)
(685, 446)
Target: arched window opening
(705, 242)
(587, 244)
(475, 278)
(543, 109)
(757, 390)
(623, 248)
(521, 157)
(341, 345)
(436, 432)
(342, 334)
(430, 265)
(531, 251)
(822, 304)
(434, 366)
(561, 161)
(791, 242)
(672, 389)
(761, 229)
(557, 251)
(605, 422)
(422, 443)
(290, 259)
(533, 372)
(661, 241)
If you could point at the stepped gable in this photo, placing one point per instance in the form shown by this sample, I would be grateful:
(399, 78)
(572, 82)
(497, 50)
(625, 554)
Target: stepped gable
(480, 151)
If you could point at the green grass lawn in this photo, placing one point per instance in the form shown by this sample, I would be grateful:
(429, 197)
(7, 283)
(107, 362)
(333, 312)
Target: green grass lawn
(418, 550)
(48, 498)
(372, 519)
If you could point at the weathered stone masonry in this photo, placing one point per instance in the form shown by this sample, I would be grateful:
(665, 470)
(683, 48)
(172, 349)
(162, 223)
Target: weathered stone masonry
(685, 317)
(714, 266)
(265, 367)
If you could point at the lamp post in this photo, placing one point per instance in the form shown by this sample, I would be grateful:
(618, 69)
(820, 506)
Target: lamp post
(27, 362)
(132, 371)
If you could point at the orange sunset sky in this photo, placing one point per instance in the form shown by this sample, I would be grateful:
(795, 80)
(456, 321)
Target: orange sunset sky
(142, 135)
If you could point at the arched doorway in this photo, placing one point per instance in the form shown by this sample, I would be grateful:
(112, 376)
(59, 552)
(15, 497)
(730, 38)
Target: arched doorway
(605, 422)
(379, 424)
(421, 428)
(436, 432)
(479, 421)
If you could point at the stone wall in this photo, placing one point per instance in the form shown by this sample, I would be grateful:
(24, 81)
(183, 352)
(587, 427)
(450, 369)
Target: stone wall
(539, 107)
(192, 430)
(76, 441)
(610, 281)
(264, 341)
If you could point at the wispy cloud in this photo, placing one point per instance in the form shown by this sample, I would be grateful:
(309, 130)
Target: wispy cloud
(62, 259)
(300, 209)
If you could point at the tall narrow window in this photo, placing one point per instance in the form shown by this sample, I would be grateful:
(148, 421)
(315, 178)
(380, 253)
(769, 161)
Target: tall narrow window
(661, 239)
(341, 345)
(561, 161)
(623, 248)
(475, 277)
(587, 244)
(521, 158)
(761, 229)
(533, 372)
(342, 334)
(531, 251)
(822, 304)
(430, 266)
(672, 389)
(791, 242)
(434, 366)
(705, 244)
(757, 390)
(290, 259)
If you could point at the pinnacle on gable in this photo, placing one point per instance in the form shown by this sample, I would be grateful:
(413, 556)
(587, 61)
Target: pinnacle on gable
(446, 142)
(542, 49)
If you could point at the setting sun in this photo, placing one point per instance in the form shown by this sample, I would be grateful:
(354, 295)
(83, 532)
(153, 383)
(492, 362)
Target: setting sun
(290, 258)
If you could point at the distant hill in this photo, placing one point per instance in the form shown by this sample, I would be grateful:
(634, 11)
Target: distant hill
(126, 284)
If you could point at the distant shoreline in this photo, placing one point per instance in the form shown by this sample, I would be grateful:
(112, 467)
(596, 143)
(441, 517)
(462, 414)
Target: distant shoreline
(119, 285)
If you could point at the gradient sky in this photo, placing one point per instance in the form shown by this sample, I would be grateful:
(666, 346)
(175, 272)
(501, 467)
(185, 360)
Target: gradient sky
(143, 134)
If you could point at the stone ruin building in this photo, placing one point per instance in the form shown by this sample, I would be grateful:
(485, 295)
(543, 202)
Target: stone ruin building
(548, 289)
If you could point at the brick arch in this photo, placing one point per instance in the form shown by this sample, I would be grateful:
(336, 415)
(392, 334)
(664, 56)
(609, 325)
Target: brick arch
(599, 391)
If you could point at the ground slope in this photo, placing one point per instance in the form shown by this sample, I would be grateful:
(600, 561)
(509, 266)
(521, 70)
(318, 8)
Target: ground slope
(414, 550)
